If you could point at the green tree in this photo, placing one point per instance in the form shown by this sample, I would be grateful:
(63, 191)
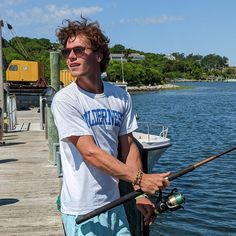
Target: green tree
(118, 48)
(154, 69)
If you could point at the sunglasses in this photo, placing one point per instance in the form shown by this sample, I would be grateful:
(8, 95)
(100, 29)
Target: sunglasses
(78, 51)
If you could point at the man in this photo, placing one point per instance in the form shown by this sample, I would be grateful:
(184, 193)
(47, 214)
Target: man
(92, 117)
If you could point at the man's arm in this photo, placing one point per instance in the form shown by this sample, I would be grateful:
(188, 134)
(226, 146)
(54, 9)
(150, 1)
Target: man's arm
(131, 156)
(99, 158)
(129, 151)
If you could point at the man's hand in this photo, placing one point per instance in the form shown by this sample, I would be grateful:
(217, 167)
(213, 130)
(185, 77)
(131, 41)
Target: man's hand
(146, 207)
(152, 183)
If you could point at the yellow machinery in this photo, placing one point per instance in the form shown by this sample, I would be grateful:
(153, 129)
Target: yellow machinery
(25, 72)
(32, 72)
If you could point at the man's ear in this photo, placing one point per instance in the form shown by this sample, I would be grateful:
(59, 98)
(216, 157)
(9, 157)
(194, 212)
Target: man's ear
(99, 56)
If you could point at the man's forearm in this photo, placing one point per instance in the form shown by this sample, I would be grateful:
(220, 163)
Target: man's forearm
(134, 159)
(102, 160)
(128, 171)
(111, 165)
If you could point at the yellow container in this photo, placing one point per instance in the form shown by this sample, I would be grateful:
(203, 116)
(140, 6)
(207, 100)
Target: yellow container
(25, 71)
(66, 78)
(29, 72)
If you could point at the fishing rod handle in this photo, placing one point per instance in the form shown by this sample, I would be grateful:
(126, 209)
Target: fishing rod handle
(126, 198)
(109, 206)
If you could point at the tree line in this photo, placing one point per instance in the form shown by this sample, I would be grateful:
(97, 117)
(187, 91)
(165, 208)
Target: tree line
(154, 69)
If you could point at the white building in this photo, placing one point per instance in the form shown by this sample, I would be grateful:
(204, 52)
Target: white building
(121, 56)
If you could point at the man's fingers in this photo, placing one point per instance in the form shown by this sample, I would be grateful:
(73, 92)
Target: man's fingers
(150, 220)
(166, 174)
(148, 214)
(166, 183)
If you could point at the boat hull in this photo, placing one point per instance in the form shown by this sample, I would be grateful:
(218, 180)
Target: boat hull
(151, 149)
(153, 157)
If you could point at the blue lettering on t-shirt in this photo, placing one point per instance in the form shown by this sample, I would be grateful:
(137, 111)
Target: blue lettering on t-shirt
(100, 117)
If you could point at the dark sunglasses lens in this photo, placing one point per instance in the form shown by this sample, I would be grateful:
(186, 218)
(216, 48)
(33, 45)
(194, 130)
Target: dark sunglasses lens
(65, 52)
(78, 51)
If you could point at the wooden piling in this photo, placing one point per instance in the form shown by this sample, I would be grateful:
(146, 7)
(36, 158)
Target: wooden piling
(55, 84)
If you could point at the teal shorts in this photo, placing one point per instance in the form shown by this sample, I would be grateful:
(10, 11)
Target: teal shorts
(113, 222)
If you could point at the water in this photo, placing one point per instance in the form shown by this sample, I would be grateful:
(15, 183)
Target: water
(202, 123)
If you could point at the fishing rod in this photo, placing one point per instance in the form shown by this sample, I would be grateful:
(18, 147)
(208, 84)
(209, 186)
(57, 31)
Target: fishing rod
(174, 197)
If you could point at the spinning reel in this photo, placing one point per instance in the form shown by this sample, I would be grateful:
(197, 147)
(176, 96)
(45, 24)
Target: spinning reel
(173, 201)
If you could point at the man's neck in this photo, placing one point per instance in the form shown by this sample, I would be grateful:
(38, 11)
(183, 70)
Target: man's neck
(90, 85)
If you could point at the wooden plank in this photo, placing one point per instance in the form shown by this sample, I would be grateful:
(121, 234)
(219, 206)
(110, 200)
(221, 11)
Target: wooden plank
(28, 186)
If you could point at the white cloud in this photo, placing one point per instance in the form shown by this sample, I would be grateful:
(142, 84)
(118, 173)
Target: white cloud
(11, 2)
(6, 4)
(66, 12)
(151, 20)
(48, 14)
(87, 10)
(39, 21)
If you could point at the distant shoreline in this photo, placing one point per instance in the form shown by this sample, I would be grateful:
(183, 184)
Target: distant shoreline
(152, 88)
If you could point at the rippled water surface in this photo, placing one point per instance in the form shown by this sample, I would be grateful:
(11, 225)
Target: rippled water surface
(202, 123)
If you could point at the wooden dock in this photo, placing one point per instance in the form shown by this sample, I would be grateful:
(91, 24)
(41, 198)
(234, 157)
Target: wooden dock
(29, 185)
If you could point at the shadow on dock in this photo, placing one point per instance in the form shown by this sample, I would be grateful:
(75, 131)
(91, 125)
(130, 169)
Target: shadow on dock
(12, 143)
(8, 201)
(7, 160)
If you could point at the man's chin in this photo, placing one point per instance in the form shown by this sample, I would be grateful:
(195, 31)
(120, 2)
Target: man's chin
(74, 73)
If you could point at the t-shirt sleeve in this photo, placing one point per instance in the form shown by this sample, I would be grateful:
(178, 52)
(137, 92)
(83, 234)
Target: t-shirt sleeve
(129, 123)
(69, 120)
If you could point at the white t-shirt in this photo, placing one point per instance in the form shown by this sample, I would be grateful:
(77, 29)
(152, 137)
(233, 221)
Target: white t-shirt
(105, 116)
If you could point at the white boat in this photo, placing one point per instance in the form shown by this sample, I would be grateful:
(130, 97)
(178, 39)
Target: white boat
(122, 85)
(152, 146)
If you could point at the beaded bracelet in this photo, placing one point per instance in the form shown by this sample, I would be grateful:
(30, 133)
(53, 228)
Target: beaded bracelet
(141, 196)
(138, 178)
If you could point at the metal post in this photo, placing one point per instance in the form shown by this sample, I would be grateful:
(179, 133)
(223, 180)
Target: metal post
(122, 69)
(1, 87)
(55, 83)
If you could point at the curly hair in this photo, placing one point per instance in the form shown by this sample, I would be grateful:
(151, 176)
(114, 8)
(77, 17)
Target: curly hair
(93, 33)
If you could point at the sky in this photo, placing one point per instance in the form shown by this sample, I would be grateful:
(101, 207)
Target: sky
(158, 26)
